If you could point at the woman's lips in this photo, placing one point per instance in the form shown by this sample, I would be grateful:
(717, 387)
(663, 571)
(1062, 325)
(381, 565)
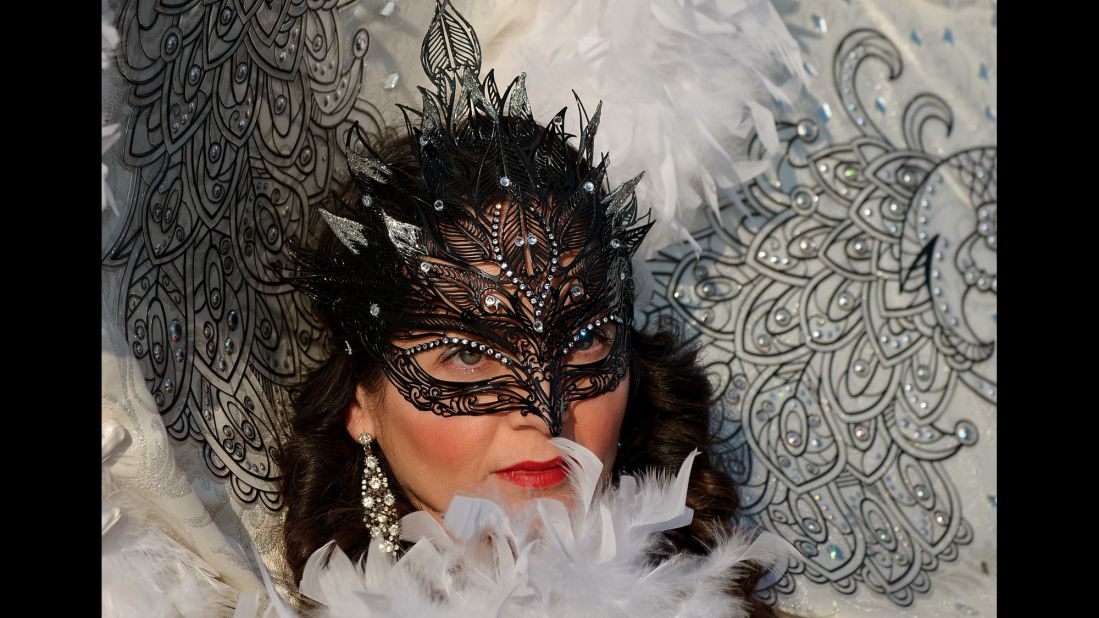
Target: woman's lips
(536, 474)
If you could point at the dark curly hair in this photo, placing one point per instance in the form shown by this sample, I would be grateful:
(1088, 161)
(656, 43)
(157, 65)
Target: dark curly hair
(667, 416)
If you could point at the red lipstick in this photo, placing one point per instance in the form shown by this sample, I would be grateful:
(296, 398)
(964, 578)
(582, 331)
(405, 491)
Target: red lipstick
(536, 474)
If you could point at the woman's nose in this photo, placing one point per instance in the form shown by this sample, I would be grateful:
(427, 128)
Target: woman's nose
(546, 408)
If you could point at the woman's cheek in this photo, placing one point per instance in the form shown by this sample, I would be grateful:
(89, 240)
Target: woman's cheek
(453, 442)
(442, 447)
(599, 422)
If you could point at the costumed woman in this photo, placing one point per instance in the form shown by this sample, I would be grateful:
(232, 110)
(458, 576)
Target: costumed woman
(489, 433)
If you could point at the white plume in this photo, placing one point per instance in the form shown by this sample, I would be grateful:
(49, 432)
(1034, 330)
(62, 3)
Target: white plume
(545, 560)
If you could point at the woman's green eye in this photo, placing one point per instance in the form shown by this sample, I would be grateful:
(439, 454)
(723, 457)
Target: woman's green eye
(470, 357)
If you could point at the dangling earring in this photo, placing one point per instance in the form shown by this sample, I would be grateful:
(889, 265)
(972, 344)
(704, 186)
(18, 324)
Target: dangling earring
(380, 515)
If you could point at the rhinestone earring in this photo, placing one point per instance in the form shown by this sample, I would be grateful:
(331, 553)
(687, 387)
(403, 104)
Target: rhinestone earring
(380, 514)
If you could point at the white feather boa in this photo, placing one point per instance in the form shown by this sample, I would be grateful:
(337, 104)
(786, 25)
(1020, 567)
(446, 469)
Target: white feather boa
(542, 560)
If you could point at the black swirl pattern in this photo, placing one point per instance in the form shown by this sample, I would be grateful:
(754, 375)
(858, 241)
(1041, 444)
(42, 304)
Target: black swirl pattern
(237, 112)
(844, 298)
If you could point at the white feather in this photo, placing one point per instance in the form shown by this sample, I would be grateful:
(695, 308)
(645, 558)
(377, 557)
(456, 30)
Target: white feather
(684, 86)
(542, 560)
(144, 571)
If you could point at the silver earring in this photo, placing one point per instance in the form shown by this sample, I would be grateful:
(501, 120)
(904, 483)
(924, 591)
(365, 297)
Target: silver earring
(380, 514)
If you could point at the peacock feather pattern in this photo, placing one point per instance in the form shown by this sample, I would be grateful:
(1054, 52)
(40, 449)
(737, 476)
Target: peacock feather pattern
(236, 111)
(845, 299)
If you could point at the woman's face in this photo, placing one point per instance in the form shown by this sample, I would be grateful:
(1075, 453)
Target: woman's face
(506, 456)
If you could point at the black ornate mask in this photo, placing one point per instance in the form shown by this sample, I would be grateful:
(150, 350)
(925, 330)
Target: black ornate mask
(488, 267)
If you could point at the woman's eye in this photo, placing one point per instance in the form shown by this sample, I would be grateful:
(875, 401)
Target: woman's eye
(467, 362)
(469, 357)
(591, 346)
(586, 341)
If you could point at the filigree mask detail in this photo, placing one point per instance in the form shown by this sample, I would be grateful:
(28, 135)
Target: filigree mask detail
(498, 277)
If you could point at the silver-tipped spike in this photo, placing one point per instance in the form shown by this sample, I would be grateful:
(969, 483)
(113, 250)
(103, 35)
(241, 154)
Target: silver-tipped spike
(404, 236)
(618, 198)
(349, 232)
(518, 103)
(472, 87)
(371, 168)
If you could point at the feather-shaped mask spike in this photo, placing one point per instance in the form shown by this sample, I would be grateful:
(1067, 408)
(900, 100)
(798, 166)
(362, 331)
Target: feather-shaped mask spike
(404, 236)
(349, 232)
(449, 46)
(621, 196)
(587, 142)
(518, 101)
(429, 123)
(472, 88)
(361, 166)
(492, 234)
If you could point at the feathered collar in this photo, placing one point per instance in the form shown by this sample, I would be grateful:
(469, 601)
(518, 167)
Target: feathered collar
(543, 560)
